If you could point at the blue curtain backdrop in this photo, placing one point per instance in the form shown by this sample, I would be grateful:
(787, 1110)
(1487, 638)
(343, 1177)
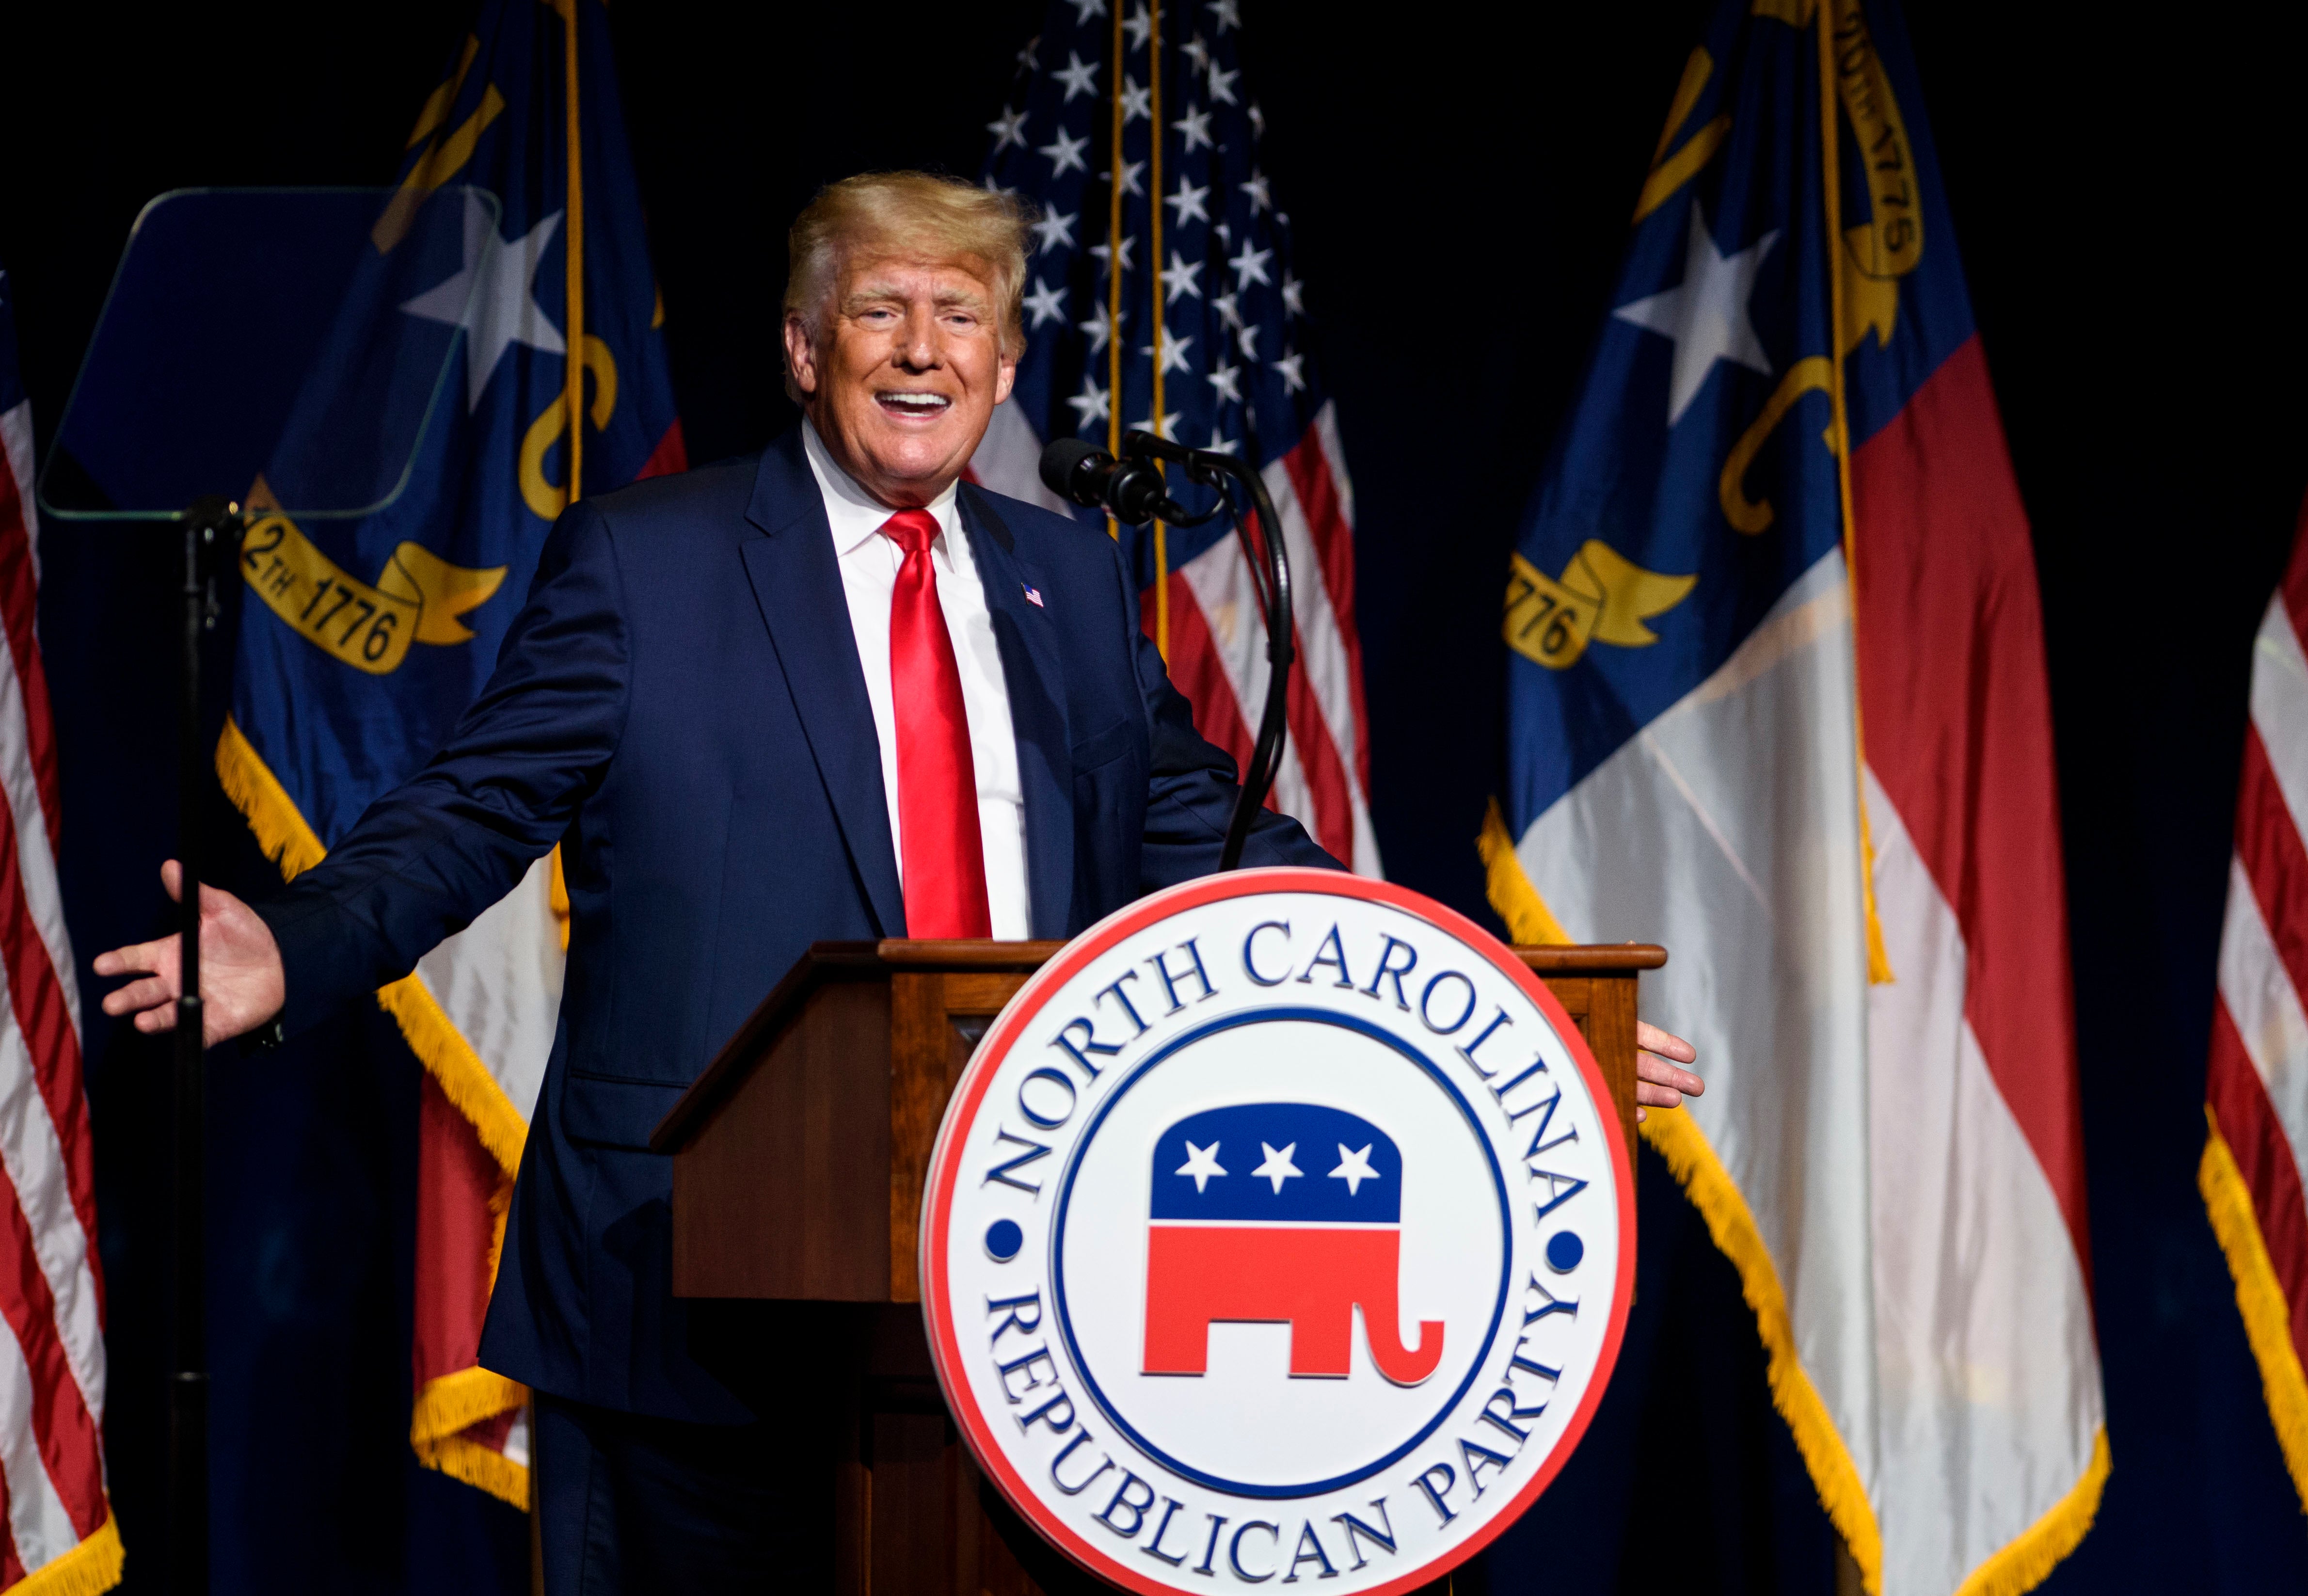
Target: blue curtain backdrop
(1459, 182)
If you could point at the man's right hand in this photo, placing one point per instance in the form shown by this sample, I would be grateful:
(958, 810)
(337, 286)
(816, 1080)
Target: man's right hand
(242, 984)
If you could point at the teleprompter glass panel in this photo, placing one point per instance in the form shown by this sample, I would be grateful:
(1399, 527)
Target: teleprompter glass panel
(247, 348)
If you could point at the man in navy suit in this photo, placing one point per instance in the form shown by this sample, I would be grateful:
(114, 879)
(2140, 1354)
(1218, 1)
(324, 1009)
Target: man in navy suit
(830, 692)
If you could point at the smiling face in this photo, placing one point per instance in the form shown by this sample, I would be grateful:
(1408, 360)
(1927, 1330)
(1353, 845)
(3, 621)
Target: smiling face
(902, 371)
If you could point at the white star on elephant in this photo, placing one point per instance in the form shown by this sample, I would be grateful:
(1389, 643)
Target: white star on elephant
(1278, 1167)
(1202, 1164)
(1355, 1168)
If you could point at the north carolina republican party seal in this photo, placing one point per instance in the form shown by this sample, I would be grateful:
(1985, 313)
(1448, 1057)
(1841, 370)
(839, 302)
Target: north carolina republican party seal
(1280, 1230)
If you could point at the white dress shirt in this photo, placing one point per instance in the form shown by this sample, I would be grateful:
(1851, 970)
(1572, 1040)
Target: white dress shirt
(869, 566)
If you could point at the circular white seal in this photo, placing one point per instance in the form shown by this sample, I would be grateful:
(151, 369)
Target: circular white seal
(1280, 1229)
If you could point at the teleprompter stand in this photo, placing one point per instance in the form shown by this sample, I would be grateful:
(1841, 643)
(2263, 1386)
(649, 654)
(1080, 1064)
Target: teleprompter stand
(798, 1163)
(251, 336)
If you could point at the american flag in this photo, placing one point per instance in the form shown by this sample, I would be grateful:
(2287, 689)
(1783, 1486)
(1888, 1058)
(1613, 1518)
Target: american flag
(1159, 295)
(2256, 1090)
(55, 1520)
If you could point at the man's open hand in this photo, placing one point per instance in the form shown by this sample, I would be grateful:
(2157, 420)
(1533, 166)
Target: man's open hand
(241, 981)
(1659, 1083)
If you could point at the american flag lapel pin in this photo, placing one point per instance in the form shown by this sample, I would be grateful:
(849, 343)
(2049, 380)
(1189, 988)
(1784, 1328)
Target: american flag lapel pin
(1033, 595)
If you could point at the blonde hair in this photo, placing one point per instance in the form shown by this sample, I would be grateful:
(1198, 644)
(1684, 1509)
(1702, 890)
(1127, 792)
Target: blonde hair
(918, 215)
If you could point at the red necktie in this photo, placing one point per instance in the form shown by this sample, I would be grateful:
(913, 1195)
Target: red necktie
(937, 782)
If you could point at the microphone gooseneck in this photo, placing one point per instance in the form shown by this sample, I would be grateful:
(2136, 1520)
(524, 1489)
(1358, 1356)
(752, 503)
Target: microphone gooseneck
(1132, 491)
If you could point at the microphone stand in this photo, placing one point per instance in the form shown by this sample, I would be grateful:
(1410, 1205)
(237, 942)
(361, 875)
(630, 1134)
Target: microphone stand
(1270, 568)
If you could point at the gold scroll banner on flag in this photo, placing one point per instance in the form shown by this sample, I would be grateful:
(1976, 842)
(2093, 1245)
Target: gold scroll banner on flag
(1601, 597)
(416, 598)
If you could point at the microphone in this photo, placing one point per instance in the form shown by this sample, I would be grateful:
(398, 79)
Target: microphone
(1130, 490)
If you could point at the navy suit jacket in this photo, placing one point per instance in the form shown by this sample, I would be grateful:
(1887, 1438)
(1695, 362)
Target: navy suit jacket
(680, 706)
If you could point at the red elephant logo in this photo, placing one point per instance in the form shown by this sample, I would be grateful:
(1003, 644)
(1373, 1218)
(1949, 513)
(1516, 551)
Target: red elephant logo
(1279, 1212)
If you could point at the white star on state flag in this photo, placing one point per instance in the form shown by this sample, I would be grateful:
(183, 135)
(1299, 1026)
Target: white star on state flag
(1182, 276)
(1197, 52)
(1047, 304)
(1229, 13)
(500, 311)
(1706, 314)
(1292, 379)
(1255, 187)
(1166, 427)
(1138, 24)
(1194, 128)
(1079, 76)
(1226, 382)
(1137, 100)
(1066, 154)
(1202, 1164)
(1086, 8)
(1220, 444)
(1250, 265)
(1100, 329)
(1133, 173)
(1190, 202)
(1354, 1167)
(1278, 1167)
(1222, 84)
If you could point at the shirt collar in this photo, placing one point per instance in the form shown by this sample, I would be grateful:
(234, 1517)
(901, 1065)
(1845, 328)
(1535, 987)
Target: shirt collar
(854, 515)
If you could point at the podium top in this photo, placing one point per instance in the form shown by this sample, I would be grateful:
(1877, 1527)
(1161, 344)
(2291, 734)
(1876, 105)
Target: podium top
(827, 963)
(824, 964)
(296, 338)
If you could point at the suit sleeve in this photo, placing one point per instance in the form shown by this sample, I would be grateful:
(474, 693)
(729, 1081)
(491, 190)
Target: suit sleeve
(1192, 784)
(433, 853)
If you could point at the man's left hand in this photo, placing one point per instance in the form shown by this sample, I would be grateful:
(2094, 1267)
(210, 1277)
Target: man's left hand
(1659, 1083)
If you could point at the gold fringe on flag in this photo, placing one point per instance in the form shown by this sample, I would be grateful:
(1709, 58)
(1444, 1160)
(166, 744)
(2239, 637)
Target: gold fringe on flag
(89, 1569)
(2025, 1564)
(1677, 1138)
(2259, 1297)
(451, 1403)
(2015, 1568)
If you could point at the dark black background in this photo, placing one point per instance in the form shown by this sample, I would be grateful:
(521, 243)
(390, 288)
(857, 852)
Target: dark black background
(1459, 179)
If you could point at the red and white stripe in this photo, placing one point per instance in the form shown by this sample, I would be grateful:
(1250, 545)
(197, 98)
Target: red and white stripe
(51, 1282)
(2256, 1085)
(1218, 637)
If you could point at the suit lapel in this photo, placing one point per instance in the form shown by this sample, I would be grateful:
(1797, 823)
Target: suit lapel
(797, 584)
(1037, 717)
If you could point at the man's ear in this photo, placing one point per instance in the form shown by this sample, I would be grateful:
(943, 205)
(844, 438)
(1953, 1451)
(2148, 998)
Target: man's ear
(801, 359)
(1006, 377)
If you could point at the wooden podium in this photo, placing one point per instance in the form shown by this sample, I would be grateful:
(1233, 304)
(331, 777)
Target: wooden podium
(798, 1160)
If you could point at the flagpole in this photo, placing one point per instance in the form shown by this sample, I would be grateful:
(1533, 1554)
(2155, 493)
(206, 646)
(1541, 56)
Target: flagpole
(1879, 959)
(1114, 268)
(1154, 250)
(573, 247)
